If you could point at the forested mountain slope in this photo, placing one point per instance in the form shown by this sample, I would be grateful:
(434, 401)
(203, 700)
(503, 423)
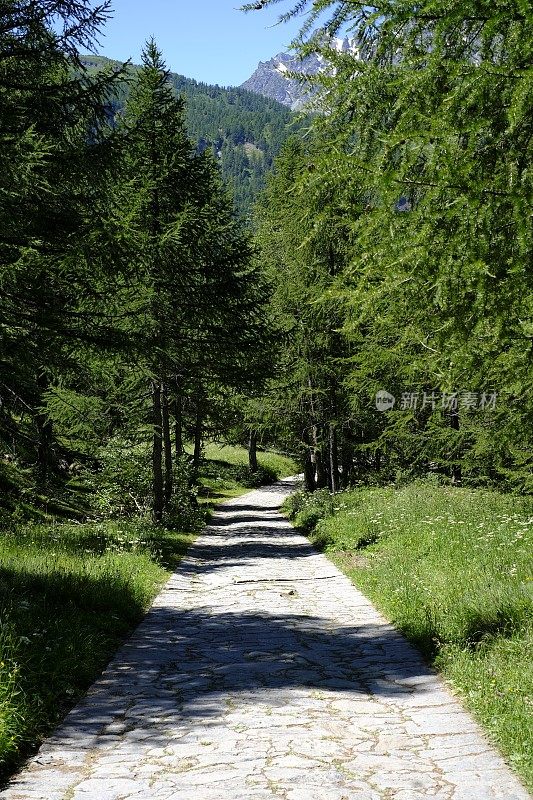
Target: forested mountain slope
(244, 130)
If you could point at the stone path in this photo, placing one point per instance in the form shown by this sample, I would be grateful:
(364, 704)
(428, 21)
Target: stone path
(262, 673)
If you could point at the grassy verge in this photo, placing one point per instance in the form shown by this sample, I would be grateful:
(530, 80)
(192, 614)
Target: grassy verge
(69, 595)
(453, 569)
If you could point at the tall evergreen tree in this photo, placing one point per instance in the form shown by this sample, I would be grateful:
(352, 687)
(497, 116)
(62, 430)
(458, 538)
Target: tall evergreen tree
(54, 158)
(302, 265)
(202, 315)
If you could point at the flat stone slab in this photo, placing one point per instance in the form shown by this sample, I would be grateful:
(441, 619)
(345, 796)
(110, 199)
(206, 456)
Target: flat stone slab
(261, 673)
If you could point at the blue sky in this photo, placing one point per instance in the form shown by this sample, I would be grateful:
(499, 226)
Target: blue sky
(209, 40)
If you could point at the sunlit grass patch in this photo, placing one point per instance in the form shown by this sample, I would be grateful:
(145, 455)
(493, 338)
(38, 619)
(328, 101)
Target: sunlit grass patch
(224, 472)
(69, 595)
(278, 463)
(453, 569)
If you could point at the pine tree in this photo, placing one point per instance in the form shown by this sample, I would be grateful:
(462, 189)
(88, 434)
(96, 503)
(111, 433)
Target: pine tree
(302, 265)
(54, 160)
(202, 312)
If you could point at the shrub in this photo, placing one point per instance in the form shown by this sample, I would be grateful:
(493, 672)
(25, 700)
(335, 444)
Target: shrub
(306, 509)
(263, 476)
(122, 484)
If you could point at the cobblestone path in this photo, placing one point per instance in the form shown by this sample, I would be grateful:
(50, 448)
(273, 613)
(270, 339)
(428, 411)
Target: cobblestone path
(262, 673)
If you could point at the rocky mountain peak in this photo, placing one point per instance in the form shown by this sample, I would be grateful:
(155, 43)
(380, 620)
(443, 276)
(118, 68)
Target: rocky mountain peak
(272, 78)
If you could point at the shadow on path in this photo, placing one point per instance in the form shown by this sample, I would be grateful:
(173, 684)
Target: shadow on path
(187, 665)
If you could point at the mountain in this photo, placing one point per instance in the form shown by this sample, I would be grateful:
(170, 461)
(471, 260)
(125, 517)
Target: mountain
(244, 130)
(272, 78)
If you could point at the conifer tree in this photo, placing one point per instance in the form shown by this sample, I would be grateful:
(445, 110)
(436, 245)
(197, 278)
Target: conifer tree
(302, 267)
(202, 317)
(425, 148)
(54, 158)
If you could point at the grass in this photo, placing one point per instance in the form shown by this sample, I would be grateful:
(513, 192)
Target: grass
(71, 592)
(69, 595)
(278, 463)
(453, 569)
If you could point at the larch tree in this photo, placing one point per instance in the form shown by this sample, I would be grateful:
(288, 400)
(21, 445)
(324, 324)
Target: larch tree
(55, 155)
(425, 147)
(192, 261)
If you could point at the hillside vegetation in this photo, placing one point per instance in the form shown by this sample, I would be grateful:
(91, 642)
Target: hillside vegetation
(244, 131)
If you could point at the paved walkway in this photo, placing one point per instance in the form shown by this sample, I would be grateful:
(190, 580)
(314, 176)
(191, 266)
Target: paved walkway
(262, 673)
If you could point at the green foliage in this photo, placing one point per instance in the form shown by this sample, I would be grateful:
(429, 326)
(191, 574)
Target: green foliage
(261, 477)
(306, 509)
(122, 484)
(452, 569)
(202, 323)
(308, 404)
(242, 130)
(130, 292)
(69, 594)
(430, 295)
(56, 302)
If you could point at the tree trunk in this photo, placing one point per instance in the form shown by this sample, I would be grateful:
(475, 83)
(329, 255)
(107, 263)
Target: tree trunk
(309, 472)
(167, 445)
(333, 459)
(45, 434)
(198, 431)
(308, 462)
(252, 451)
(321, 478)
(178, 427)
(347, 463)
(157, 453)
(455, 470)
(44, 445)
